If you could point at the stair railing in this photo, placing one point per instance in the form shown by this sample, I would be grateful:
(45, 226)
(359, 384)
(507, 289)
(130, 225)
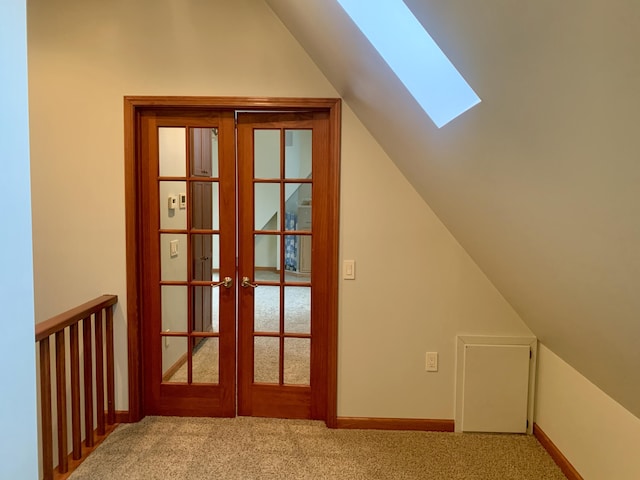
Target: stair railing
(90, 316)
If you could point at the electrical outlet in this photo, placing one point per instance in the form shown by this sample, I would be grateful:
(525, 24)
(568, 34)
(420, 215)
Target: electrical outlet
(431, 362)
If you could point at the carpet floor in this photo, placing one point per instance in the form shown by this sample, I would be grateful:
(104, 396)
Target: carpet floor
(246, 448)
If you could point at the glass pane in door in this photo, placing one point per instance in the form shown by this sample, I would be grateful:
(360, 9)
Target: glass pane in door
(205, 252)
(174, 359)
(172, 214)
(297, 309)
(267, 258)
(297, 206)
(204, 152)
(266, 360)
(174, 308)
(203, 308)
(267, 206)
(297, 365)
(266, 156)
(297, 153)
(172, 151)
(297, 257)
(205, 214)
(266, 315)
(173, 257)
(205, 360)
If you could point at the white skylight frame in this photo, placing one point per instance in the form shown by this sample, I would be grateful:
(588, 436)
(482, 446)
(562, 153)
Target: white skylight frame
(414, 57)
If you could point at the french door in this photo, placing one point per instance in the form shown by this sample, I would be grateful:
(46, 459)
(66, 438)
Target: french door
(235, 210)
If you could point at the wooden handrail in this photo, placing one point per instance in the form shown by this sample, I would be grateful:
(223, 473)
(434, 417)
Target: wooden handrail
(86, 314)
(62, 321)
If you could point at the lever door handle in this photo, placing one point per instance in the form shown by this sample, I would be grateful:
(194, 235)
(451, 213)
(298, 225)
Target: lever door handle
(227, 282)
(247, 283)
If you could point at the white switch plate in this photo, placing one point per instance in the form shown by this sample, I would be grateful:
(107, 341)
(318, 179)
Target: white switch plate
(173, 248)
(182, 201)
(349, 270)
(432, 362)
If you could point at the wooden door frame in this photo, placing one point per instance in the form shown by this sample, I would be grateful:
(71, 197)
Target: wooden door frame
(133, 108)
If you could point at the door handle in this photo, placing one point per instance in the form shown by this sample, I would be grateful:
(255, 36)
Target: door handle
(247, 283)
(227, 282)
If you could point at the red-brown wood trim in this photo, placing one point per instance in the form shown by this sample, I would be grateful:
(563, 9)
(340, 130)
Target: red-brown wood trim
(111, 398)
(133, 107)
(231, 103)
(228, 302)
(132, 236)
(99, 372)
(45, 410)
(335, 126)
(245, 216)
(368, 423)
(60, 322)
(88, 380)
(122, 416)
(569, 470)
(61, 401)
(76, 434)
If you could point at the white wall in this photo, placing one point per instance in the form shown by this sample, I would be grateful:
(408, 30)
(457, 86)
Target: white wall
(539, 182)
(597, 435)
(18, 435)
(416, 288)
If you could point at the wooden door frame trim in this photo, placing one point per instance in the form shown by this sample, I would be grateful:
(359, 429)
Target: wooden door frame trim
(133, 107)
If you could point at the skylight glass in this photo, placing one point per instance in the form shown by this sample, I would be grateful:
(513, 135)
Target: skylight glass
(414, 57)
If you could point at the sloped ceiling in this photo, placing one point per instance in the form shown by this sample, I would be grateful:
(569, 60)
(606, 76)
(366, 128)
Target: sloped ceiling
(540, 183)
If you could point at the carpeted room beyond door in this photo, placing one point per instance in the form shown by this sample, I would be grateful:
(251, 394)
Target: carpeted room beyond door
(246, 448)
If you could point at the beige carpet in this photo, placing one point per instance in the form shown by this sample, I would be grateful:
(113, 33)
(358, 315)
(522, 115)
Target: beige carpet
(257, 448)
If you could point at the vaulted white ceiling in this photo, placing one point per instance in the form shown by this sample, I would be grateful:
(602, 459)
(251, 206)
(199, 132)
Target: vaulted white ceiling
(540, 183)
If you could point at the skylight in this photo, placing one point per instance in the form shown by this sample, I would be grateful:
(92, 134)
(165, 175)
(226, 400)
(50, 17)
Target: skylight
(414, 57)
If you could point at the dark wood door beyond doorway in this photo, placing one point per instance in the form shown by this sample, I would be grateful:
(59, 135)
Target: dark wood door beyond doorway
(198, 321)
(201, 165)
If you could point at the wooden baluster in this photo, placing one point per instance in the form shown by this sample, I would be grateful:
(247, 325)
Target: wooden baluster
(111, 411)
(43, 333)
(61, 392)
(88, 381)
(99, 374)
(45, 410)
(76, 432)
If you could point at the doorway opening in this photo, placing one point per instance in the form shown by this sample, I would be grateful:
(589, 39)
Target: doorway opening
(232, 256)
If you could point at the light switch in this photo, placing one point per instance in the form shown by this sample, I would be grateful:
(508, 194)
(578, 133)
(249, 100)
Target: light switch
(182, 201)
(173, 248)
(432, 362)
(349, 270)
